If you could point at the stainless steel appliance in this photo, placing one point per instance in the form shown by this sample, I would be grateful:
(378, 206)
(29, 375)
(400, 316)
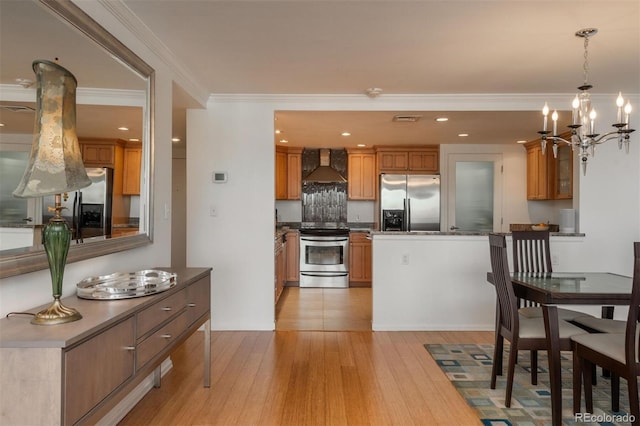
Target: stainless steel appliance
(87, 212)
(324, 257)
(409, 202)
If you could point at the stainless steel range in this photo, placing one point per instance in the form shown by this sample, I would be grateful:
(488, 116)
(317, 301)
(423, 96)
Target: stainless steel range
(324, 256)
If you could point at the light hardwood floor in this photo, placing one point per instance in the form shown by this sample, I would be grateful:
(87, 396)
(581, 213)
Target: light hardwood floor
(304, 378)
(329, 309)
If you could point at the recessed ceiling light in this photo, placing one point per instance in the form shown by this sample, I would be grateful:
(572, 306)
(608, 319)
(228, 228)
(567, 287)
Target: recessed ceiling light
(284, 141)
(134, 140)
(345, 134)
(1, 124)
(441, 119)
(361, 145)
(521, 141)
(175, 139)
(463, 135)
(278, 132)
(124, 129)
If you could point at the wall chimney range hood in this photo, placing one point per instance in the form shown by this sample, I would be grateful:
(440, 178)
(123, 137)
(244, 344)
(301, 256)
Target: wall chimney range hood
(325, 173)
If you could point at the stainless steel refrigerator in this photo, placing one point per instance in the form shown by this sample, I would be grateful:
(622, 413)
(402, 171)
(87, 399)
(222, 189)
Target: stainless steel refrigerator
(88, 211)
(409, 202)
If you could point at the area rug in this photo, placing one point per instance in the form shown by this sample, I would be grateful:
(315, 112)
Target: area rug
(468, 366)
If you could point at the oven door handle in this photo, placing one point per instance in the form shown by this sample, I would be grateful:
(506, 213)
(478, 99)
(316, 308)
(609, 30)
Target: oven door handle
(324, 274)
(324, 240)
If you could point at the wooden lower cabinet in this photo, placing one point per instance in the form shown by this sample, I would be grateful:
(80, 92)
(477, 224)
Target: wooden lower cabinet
(359, 260)
(76, 373)
(293, 257)
(280, 270)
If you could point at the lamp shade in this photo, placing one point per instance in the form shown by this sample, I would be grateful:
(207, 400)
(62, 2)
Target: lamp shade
(55, 163)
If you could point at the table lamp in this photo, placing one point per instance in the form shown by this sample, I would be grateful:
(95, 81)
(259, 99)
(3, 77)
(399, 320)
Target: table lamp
(55, 167)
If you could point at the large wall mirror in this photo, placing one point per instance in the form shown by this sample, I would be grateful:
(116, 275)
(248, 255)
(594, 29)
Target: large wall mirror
(114, 125)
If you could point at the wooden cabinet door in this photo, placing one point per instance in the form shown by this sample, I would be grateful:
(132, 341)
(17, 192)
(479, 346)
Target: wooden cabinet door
(359, 259)
(390, 161)
(280, 271)
(281, 175)
(537, 173)
(293, 257)
(131, 177)
(424, 161)
(362, 176)
(294, 175)
(96, 368)
(563, 173)
(98, 155)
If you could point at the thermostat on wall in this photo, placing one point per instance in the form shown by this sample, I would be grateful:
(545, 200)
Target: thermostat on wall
(219, 177)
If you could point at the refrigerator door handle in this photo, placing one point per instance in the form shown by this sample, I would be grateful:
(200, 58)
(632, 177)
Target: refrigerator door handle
(409, 214)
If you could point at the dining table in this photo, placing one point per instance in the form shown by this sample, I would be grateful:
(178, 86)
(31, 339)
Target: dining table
(567, 288)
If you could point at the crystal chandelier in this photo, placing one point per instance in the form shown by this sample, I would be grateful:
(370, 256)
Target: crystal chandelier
(583, 130)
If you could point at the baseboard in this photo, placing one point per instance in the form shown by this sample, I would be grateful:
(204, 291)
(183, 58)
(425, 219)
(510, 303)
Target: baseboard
(128, 402)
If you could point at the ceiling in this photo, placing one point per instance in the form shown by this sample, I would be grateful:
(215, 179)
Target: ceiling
(402, 47)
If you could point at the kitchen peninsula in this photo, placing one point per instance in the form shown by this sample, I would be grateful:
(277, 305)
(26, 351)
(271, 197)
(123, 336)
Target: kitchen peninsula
(437, 280)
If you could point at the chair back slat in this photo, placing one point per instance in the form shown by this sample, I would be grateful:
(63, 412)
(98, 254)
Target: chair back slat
(632, 343)
(531, 251)
(507, 302)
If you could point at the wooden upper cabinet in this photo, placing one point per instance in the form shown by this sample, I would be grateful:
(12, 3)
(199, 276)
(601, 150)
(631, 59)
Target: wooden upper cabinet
(424, 161)
(361, 180)
(409, 159)
(131, 173)
(281, 174)
(294, 173)
(393, 161)
(549, 178)
(288, 173)
(100, 152)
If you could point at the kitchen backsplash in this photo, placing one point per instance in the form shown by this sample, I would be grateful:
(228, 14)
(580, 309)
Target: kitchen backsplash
(324, 202)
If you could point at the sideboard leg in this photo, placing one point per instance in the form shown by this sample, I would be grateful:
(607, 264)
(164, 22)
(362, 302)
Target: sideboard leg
(207, 353)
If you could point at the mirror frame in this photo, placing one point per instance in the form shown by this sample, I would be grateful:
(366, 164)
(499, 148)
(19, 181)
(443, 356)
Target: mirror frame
(16, 262)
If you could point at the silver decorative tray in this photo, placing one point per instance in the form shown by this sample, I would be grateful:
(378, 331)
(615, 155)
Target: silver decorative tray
(126, 285)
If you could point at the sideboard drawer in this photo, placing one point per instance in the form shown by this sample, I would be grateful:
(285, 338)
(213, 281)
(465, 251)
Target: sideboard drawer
(159, 312)
(198, 299)
(95, 368)
(161, 339)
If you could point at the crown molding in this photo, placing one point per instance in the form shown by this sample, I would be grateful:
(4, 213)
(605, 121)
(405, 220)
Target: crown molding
(86, 96)
(139, 29)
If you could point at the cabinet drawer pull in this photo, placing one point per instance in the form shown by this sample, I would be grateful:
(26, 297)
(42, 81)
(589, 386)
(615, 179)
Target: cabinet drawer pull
(129, 348)
(166, 308)
(191, 305)
(166, 336)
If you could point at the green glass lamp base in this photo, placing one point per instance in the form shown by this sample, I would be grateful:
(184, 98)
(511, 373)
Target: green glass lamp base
(57, 313)
(56, 237)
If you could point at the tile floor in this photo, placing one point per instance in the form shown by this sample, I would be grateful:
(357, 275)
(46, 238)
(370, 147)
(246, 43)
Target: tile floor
(328, 309)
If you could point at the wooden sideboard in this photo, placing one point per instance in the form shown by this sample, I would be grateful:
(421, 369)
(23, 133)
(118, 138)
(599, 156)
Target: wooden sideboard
(75, 373)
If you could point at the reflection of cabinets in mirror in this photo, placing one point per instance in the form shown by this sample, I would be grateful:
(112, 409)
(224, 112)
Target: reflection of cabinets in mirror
(549, 178)
(101, 152)
(288, 173)
(131, 175)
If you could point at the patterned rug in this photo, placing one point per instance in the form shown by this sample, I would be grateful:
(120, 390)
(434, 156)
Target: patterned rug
(468, 366)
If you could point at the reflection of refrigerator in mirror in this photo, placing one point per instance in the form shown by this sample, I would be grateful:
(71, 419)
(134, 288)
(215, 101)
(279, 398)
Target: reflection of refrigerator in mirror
(88, 211)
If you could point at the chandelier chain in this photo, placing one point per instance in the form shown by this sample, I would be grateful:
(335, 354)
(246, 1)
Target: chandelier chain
(585, 66)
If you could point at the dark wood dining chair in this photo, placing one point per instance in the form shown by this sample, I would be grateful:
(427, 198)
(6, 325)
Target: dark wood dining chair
(523, 333)
(532, 254)
(616, 352)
